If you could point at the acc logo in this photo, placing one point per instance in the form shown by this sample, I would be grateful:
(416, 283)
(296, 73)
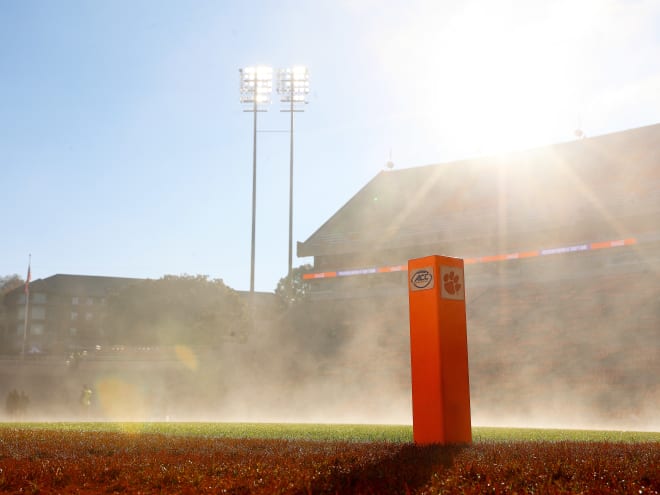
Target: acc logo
(422, 279)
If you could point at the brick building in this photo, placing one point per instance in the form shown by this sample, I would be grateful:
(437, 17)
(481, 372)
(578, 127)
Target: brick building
(65, 314)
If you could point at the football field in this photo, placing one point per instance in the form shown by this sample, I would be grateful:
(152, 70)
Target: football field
(318, 458)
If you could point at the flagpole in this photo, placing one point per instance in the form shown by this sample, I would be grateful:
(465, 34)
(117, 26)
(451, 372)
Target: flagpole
(27, 306)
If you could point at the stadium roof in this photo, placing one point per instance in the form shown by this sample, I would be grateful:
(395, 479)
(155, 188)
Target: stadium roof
(601, 181)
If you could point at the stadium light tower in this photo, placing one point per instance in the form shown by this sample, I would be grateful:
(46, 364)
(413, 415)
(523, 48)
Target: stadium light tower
(293, 88)
(256, 88)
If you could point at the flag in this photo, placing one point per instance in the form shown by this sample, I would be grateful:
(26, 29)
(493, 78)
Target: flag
(27, 281)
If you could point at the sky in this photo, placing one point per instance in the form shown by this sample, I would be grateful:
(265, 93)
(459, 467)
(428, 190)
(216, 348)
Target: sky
(125, 151)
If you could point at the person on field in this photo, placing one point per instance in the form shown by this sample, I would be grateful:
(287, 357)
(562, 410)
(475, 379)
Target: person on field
(86, 399)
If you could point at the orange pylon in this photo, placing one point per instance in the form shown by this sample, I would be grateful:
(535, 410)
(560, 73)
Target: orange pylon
(438, 351)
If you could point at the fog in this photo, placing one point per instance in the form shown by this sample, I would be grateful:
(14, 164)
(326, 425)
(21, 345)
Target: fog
(264, 379)
(544, 351)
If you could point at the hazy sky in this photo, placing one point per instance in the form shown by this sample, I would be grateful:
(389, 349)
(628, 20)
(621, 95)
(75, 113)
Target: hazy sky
(124, 150)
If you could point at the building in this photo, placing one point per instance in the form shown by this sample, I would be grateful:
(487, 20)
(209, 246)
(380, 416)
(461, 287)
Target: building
(586, 195)
(562, 266)
(65, 314)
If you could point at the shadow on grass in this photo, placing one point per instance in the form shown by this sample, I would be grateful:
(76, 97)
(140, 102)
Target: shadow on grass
(408, 469)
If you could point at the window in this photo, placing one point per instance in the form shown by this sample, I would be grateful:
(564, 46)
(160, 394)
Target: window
(74, 300)
(74, 315)
(36, 329)
(73, 331)
(38, 313)
(90, 301)
(89, 316)
(39, 298)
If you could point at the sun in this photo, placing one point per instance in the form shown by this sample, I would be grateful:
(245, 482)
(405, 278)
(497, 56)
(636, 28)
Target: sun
(487, 79)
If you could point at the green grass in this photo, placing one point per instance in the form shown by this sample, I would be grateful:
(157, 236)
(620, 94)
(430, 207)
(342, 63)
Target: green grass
(490, 434)
(336, 432)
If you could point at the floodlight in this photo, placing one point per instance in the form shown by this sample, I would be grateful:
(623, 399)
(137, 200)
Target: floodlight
(256, 88)
(293, 84)
(293, 88)
(256, 84)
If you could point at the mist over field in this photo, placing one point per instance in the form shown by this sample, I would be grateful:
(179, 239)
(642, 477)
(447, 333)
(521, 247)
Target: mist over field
(582, 367)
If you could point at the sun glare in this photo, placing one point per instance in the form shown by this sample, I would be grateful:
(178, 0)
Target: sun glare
(496, 79)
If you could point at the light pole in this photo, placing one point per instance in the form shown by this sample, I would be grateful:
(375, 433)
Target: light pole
(256, 88)
(293, 88)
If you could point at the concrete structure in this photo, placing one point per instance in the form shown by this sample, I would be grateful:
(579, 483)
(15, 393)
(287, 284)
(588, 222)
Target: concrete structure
(562, 265)
(567, 198)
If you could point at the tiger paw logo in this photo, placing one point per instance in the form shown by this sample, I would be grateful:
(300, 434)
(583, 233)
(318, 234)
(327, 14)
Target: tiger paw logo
(452, 282)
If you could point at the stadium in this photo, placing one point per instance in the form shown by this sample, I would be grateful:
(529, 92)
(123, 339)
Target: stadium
(562, 253)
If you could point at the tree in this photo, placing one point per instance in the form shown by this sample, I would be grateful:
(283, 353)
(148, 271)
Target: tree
(294, 289)
(314, 328)
(9, 283)
(186, 309)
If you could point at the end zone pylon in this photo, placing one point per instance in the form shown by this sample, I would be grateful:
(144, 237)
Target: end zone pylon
(438, 351)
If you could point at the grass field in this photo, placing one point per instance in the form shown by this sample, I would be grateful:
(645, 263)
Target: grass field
(336, 432)
(311, 458)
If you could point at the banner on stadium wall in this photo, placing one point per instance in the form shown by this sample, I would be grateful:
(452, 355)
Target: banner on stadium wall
(482, 259)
